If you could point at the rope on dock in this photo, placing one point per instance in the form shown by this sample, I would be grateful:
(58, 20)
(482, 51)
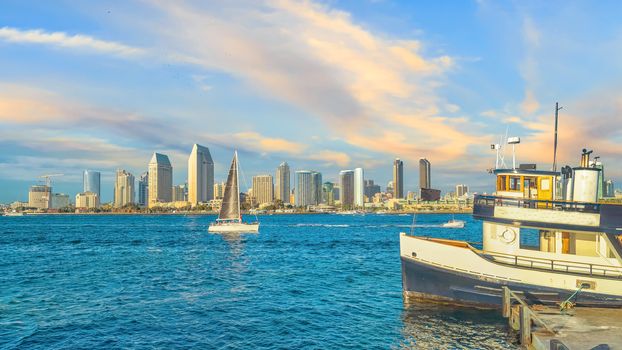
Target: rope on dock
(568, 304)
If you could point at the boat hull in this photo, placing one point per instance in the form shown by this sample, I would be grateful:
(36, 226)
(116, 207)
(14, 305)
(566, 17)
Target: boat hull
(234, 228)
(434, 283)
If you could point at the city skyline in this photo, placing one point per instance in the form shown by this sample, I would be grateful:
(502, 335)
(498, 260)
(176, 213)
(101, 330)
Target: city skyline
(348, 85)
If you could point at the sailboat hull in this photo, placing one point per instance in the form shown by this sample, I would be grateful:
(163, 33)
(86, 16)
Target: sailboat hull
(233, 228)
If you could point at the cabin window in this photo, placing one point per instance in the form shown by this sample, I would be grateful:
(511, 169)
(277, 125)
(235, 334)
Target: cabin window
(529, 239)
(514, 183)
(501, 183)
(584, 244)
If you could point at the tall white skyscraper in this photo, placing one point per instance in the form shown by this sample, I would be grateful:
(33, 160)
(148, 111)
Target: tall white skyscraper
(359, 188)
(123, 189)
(282, 185)
(92, 182)
(160, 180)
(200, 175)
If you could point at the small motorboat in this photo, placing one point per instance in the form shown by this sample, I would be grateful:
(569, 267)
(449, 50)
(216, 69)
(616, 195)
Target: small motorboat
(453, 223)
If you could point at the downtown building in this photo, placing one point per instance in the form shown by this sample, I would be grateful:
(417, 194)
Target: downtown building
(308, 188)
(200, 175)
(143, 189)
(346, 188)
(87, 200)
(91, 181)
(328, 193)
(180, 193)
(359, 188)
(124, 189)
(398, 179)
(60, 201)
(263, 189)
(160, 180)
(371, 189)
(461, 190)
(282, 184)
(40, 197)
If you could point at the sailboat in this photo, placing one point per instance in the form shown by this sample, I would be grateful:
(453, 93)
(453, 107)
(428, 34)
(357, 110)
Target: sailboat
(230, 218)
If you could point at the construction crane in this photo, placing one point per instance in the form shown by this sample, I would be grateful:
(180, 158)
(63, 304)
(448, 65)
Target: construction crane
(47, 177)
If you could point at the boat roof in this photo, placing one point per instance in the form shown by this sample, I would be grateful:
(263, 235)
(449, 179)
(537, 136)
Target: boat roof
(526, 172)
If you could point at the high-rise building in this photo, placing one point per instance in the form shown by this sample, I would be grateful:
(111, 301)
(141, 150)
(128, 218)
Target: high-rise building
(59, 201)
(359, 188)
(461, 190)
(282, 185)
(371, 189)
(180, 193)
(425, 178)
(390, 188)
(398, 179)
(263, 189)
(160, 180)
(200, 175)
(328, 193)
(123, 189)
(143, 189)
(92, 182)
(219, 190)
(346, 188)
(40, 197)
(87, 200)
(609, 190)
(308, 188)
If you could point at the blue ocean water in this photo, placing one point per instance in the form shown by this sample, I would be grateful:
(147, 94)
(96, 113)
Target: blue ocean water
(163, 282)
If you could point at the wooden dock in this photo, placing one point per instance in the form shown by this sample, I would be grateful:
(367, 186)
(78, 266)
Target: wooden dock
(548, 328)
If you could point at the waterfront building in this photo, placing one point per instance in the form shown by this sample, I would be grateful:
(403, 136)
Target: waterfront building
(39, 197)
(425, 179)
(411, 196)
(18, 205)
(143, 189)
(308, 189)
(346, 188)
(180, 193)
(292, 196)
(123, 189)
(282, 184)
(371, 189)
(200, 175)
(160, 180)
(328, 193)
(397, 185)
(390, 188)
(59, 201)
(87, 200)
(92, 181)
(336, 192)
(608, 190)
(461, 190)
(359, 188)
(263, 189)
(219, 190)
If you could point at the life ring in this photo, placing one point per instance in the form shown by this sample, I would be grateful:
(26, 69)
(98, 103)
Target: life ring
(508, 236)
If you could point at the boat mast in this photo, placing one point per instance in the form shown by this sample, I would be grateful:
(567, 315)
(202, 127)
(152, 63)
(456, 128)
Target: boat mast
(557, 108)
(237, 181)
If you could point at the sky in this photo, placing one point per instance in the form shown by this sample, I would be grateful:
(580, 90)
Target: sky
(324, 85)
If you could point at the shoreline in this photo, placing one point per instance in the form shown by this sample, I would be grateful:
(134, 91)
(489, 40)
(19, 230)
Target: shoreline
(264, 214)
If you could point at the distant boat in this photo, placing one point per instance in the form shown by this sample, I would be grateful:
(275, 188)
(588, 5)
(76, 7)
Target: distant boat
(230, 218)
(453, 223)
(13, 213)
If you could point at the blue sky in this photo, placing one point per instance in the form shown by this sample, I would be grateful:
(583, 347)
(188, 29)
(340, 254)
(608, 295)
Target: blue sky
(324, 85)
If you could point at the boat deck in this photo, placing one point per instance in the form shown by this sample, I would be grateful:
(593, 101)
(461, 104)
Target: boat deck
(579, 328)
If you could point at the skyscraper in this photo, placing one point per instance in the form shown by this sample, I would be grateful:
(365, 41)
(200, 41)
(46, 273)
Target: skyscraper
(398, 179)
(180, 193)
(346, 188)
(123, 189)
(219, 190)
(282, 185)
(263, 189)
(461, 190)
(143, 189)
(160, 180)
(200, 175)
(308, 188)
(92, 182)
(359, 188)
(40, 197)
(371, 189)
(425, 178)
(328, 196)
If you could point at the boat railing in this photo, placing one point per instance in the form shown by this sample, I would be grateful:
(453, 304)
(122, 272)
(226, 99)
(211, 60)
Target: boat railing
(498, 201)
(595, 270)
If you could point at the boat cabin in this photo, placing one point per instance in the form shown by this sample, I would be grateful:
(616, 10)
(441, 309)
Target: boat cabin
(528, 184)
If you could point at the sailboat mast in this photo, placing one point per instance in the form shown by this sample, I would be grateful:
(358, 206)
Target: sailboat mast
(237, 181)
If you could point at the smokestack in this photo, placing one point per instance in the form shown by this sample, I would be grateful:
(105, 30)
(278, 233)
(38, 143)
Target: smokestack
(585, 158)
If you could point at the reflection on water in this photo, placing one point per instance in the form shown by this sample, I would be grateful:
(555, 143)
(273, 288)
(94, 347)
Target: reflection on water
(436, 326)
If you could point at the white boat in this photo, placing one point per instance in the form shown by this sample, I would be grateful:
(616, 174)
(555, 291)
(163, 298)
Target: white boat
(453, 223)
(13, 213)
(230, 217)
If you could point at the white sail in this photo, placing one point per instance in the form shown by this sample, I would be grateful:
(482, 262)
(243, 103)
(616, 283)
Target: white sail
(230, 208)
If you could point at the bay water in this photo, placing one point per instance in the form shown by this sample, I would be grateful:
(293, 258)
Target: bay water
(162, 281)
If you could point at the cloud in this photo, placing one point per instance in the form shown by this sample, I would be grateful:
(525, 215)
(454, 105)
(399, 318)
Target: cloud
(61, 39)
(330, 158)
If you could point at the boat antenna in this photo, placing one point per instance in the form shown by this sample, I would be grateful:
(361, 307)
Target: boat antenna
(557, 108)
